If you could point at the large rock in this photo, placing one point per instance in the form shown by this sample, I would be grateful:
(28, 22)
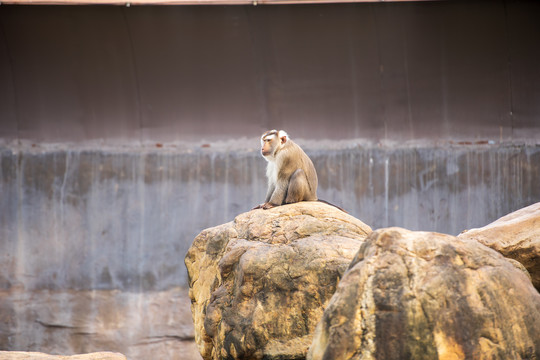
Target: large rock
(140, 325)
(420, 295)
(516, 236)
(259, 284)
(20, 355)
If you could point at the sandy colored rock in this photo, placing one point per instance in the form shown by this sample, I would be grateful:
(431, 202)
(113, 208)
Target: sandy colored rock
(421, 295)
(140, 325)
(516, 236)
(20, 355)
(259, 284)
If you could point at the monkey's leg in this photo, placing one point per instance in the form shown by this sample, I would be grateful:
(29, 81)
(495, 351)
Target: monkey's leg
(298, 187)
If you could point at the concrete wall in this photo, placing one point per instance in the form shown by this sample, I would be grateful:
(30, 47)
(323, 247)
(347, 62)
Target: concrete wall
(93, 240)
(124, 219)
(126, 131)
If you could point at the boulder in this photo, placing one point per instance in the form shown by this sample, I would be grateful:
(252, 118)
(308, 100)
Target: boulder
(516, 236)
(21, 355)
(260, 283)
(140, 325)
(422, 295)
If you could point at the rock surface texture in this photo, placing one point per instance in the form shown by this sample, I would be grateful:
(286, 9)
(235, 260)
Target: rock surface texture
(420, 295)
(260, 283)
(516, 236)
(20, 355)
(140, 325)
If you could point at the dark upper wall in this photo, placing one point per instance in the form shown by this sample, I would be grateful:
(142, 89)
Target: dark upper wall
(400, 71)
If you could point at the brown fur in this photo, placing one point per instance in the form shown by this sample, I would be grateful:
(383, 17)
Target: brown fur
(291, 174)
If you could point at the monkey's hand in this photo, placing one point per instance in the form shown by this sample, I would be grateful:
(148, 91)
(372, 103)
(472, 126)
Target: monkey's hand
(264, 206)
(267, 206)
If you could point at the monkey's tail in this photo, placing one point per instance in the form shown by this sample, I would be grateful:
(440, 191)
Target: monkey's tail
(337, 207)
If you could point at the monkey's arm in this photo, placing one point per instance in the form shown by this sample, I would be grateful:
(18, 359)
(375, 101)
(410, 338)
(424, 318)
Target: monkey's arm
(266, 205)
(269, 192)
(275, 196)
(278, 195)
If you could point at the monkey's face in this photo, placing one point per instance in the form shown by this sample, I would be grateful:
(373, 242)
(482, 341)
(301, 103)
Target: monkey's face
(271, 141)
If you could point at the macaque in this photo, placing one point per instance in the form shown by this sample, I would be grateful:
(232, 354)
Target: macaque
(291, 175)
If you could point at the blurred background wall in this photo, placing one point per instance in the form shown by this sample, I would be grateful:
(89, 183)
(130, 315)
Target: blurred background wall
(125, 131)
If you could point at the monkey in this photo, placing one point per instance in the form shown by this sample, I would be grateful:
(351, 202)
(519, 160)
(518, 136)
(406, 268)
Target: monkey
(290, 172)
(291, 175)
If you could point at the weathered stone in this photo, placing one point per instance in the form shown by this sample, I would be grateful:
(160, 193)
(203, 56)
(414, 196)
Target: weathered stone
(516, 236)
(143, 325)
(259, 284)
(421, 295)
(20, 355)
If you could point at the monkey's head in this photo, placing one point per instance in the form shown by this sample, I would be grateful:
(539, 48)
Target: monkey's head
(271, 142)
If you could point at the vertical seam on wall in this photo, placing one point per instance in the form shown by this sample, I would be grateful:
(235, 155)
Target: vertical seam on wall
(509, 64)
(381, 70)
(407, 79)
(13, 84)
(261, 77)
(135, 74)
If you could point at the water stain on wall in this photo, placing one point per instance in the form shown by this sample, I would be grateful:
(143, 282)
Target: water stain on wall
(123, 219)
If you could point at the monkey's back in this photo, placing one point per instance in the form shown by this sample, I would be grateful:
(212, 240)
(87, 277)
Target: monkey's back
(294, 159)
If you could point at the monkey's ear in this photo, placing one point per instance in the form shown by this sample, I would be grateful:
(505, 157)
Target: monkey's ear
(283, 136)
